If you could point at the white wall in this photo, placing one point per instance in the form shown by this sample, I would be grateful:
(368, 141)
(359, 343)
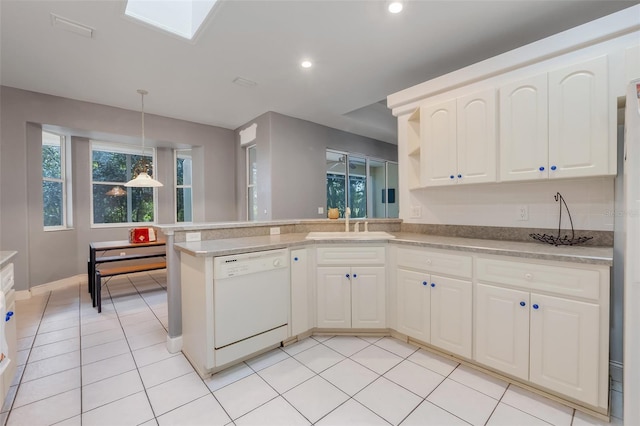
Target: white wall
(591, 202)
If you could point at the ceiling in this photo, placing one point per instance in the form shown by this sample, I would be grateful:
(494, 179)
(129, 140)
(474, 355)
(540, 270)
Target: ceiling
(361, 54)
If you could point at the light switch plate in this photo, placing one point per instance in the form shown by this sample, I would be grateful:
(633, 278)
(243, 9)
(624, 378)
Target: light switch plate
(274, 231)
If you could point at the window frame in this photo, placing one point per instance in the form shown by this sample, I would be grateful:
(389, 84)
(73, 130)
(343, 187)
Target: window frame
(176, 153)
(127, 150)
(250, 185)
(63, 180)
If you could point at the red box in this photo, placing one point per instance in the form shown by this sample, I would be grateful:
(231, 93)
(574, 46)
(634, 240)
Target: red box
(142, 235)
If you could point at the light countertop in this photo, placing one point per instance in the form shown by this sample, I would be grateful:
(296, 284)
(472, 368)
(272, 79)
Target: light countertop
(530, 250)
(6, 256)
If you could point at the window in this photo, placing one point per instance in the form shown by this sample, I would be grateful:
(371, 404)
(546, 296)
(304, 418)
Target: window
(54, 194)
(252, 189)
(183, 18)
(184, 205)
(367, 186)
(113, 165)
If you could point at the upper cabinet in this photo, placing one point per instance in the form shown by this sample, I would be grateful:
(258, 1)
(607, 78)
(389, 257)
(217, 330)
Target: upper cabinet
(458, 139)
(578, 120)
(555, 125)
(524, 139)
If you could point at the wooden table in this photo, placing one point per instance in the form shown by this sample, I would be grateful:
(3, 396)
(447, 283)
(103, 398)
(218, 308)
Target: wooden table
(105, 246)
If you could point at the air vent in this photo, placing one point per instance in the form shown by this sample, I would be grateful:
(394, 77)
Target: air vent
(71, 26)
(244, 82)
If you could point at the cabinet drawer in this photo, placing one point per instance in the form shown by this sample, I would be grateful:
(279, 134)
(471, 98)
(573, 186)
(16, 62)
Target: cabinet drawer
(350, 255)
(439, 262)
(574, 282)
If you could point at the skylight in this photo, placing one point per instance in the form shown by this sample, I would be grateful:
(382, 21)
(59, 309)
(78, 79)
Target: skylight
(180, 17)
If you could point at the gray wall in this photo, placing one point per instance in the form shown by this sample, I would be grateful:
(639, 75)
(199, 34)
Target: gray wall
(291, 157)
(48, 256)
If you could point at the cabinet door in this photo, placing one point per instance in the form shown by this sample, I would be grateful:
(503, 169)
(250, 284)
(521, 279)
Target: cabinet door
(524, 140)
(368, 301)
(502, 329)
(451, 326)
(439, 136)
(334, 297)
(578, 120)
(300, 306)
(565, 346)
(414, 304)
(476, 138)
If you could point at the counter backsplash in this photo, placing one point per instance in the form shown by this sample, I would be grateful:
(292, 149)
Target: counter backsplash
(241, 229)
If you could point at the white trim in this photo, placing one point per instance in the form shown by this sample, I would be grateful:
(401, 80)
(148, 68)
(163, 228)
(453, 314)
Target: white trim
(59, 284)
(23, 295)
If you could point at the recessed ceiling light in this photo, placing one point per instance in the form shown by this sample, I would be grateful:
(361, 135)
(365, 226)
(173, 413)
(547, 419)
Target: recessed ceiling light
(395, 7)
(306, 64)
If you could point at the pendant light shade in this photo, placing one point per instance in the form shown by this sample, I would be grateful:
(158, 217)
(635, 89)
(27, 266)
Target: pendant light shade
(116, 191)
(143, 180)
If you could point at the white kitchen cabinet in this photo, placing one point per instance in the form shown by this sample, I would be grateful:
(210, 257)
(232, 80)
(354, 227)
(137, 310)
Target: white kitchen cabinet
(301, 307)
(524, 135)
(351, 297)
(334, 297)
(502, 329)
(451, 314)
(554, 125)
(351, 294)
(565, 342)
(476, 137)
(434, 308)
(414, 304)
(438, 132)
(546, 323)
(578, 120)
(459, 140)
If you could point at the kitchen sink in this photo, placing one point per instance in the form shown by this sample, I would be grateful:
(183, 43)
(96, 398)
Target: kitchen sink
(375, 235)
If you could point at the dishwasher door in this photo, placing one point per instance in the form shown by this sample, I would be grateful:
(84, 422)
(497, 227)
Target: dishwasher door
(252, 302)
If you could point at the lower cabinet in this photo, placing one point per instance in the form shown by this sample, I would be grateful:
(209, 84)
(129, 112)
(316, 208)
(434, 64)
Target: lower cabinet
(558, 341)
(352, 295)
(434, 308)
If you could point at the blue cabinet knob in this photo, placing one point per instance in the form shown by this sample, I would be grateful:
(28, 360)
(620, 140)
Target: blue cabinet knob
(459, 176)
(347, 275)
(433, 284)
(355, 275)
(452, 177)
(541, 168)
(295, 259)
(535, 306)
(424, 283)
(553, 167)
(522, 304)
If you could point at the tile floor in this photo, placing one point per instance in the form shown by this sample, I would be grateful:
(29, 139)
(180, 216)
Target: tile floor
(78, 367)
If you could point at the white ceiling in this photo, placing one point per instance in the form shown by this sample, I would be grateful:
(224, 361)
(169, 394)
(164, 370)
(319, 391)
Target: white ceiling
(361, 54)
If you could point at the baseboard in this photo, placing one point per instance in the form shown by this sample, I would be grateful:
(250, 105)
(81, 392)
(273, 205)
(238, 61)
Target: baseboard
(56, 285)
(615, 370)
(174, 344)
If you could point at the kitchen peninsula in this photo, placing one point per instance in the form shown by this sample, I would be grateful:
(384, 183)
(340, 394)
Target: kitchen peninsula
(393, 282)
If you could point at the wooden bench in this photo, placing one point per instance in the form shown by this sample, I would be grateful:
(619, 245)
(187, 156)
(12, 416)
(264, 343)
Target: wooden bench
(105, 266)
(121, 270)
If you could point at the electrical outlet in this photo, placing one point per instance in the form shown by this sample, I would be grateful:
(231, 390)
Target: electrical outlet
(274, 231)
(522, 212)
(320, 210)
(193, 236)
(416, 212)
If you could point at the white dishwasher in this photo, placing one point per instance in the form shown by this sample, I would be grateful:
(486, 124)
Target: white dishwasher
(251, 297)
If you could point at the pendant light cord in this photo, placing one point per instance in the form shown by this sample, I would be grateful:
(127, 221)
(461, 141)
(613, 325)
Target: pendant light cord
(142, 93)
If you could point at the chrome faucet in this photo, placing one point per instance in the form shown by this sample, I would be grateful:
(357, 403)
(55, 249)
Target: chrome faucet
(347, 213)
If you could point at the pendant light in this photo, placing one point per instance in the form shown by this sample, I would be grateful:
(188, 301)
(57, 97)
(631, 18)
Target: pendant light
(143, 180)
(116, 191)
